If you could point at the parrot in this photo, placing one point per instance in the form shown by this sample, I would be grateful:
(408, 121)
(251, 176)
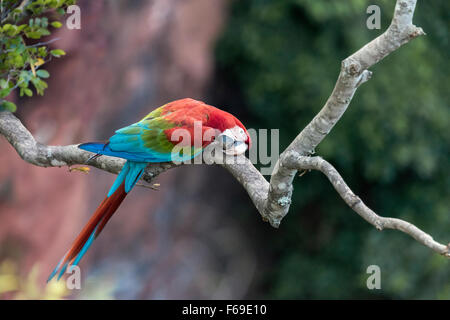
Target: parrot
(152, 140)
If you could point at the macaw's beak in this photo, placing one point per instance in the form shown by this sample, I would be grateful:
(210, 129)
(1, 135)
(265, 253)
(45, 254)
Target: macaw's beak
(230, 144)
(237, 148)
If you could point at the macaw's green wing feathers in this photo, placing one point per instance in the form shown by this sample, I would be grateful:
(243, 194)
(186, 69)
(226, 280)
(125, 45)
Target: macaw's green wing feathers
(155, 113)
(145, 140)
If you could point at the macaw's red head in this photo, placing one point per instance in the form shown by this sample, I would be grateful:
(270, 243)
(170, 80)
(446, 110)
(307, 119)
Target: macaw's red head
(232, 134)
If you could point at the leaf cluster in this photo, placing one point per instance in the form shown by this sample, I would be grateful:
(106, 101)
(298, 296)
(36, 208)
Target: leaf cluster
(22, 52)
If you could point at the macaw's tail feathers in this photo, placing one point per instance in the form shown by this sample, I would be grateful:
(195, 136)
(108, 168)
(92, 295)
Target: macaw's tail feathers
(90, 231)
(126, 180)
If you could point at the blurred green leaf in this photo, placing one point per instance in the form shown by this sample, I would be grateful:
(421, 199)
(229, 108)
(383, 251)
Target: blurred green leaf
(58, 53)
(42, 73)
(56, 24)
(9, 106)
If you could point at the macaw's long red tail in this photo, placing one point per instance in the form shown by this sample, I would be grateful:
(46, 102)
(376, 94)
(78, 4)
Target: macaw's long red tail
(91, 231)
(125, 181)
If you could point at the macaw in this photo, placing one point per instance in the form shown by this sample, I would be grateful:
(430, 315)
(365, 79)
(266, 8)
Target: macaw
(152, 140)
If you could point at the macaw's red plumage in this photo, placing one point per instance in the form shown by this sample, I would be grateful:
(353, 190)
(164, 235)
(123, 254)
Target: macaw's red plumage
(188, 124)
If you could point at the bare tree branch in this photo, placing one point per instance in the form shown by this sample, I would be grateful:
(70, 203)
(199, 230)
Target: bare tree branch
(295, 161)
(273, 199)
(353, 73)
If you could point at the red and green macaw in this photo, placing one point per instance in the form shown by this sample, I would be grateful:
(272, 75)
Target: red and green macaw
(148, 141)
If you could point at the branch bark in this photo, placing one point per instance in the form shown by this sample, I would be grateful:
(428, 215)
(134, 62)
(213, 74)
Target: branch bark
(272, 200)
(353, 73)
(295, 161)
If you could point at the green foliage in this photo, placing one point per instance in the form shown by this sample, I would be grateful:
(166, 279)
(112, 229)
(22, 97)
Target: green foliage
(391, 146)
(22, 23)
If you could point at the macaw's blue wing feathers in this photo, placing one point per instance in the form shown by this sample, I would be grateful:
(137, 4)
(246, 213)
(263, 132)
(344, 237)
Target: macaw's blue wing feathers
(94, 147)
(107, 150)
(125, 181)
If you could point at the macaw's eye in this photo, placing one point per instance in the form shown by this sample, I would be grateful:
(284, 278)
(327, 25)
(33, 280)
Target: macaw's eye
(226, 141)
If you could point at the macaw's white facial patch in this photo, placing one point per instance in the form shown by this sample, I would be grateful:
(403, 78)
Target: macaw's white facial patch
(233, 141)
(236, 133)
(238, 148)
(239, 133)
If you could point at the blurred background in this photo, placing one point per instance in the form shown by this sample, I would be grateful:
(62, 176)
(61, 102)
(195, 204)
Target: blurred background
(272, 63)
